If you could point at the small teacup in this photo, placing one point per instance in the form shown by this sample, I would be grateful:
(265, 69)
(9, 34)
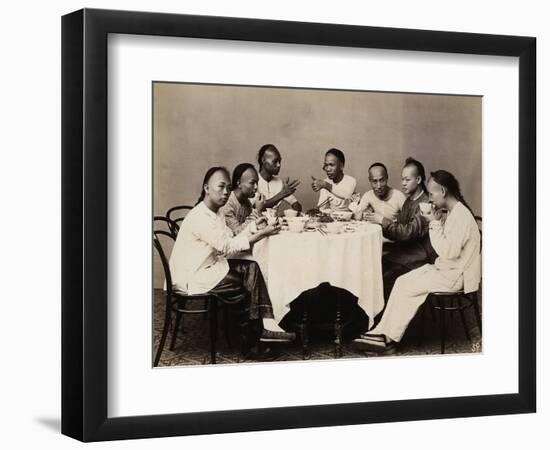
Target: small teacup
(425, 207)
(271, 211)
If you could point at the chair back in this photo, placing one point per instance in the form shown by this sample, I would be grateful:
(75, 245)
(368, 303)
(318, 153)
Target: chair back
(176, 215)
(158, 236)
(479, 225)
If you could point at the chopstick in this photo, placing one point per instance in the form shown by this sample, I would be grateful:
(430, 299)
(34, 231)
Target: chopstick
(326, 202)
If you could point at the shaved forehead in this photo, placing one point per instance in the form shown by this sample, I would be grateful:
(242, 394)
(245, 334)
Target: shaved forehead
(272, 152)
(377, 172)
(411, 170)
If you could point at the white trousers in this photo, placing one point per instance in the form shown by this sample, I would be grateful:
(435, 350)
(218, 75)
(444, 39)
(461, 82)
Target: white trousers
(408, 294)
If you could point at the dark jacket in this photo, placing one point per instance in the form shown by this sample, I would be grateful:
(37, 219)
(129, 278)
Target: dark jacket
(411, 245)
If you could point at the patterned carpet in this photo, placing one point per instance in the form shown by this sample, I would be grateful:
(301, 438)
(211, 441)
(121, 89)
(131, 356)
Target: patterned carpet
(192, 346)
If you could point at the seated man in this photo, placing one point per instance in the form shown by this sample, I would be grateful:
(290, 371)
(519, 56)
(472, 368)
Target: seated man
(411, 245)
(337, 187)
(200, 262)
(457, 242)
(273, 191)
(238, 210)
(382, 199)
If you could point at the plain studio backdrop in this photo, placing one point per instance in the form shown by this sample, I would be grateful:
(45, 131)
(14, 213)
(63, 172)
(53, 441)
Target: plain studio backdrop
(31, 186)
(199, 126)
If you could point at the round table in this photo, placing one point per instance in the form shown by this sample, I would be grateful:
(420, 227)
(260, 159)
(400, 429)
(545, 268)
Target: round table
(294, 262)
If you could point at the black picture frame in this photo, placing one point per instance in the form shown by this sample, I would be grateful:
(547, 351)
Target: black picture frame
(84, 224)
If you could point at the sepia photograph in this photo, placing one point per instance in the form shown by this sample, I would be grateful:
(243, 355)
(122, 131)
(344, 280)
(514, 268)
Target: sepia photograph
(299, 224)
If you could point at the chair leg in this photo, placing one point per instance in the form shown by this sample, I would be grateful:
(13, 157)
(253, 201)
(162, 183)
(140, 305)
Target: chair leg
(244, 329)
(442, 327)
(422, 322)
(227, 325)
(451, 312)
(463, 319)
(166, 328)
(475, 303)
(205, 307)
(432, 313)
(213, 311)
(175, 330)
(181, 328)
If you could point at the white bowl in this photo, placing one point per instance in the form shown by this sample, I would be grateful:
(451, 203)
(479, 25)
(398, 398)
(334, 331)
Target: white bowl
(296, 226)
(425, 207)
(270, 212)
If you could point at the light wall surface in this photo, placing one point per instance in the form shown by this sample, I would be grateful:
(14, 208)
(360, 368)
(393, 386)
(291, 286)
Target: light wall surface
(198, 126)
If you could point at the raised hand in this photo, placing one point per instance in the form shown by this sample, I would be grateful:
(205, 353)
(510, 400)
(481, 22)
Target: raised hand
(289, 187)
(270, 230)
(431, 214)
(261, 223)
(373, 217)
(317, 184)
(259, 204)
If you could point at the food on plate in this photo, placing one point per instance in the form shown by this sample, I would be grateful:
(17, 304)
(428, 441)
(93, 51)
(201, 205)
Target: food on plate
(342, 216)
(313, 212)
(325, 218)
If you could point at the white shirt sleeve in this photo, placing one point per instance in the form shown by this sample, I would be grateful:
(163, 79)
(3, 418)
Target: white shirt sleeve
(365, 201)
(323, 194)
(291, 199)
(448, 240)
(222, 240)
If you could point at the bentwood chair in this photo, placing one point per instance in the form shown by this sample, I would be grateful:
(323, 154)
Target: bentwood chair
(176, 215)
(451, 302)
(181, 303)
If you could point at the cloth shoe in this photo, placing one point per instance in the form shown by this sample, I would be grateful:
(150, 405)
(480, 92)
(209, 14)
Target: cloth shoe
(373, 343)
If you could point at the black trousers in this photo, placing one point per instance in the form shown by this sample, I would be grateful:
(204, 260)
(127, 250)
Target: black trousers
(246, 274)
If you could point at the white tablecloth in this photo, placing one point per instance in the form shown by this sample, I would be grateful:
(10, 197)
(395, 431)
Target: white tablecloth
(294, 262)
